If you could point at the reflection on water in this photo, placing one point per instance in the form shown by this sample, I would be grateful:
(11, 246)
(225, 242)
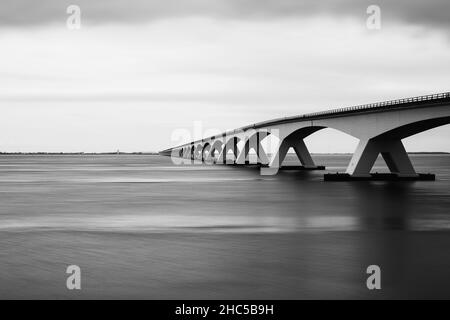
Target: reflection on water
(140, 227)
(383, 206)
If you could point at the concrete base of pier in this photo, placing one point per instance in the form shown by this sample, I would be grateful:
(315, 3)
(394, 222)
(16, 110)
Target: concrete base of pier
(295, 168)
(301, 168)
(378, 177)
(283, 168)
(246, 165)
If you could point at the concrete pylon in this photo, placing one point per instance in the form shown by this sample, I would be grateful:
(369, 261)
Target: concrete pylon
(231, 144)
(262, 156)
(192, 152)
(243, 155)
(198, 153)
(222, 156)
(211, 157)
(253, 142)
(303, 153)
(393, 152)
(206, 148)
(300, 149)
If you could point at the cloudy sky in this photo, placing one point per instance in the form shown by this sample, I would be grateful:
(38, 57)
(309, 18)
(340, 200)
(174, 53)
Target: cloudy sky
(138, 70)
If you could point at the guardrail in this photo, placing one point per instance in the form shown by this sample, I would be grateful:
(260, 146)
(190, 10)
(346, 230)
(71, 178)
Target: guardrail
(396, 102)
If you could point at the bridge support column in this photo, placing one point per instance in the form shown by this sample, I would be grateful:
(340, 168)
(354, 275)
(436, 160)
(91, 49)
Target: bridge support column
(211, 157)
(260, 153)
(223, 156)
(205, 157)
(235, 151)
(393, 153)
(300, 149)
(262, 156)
(243, 155)
(303, 154)
(214, 155)
(254, 142)
(230, 145)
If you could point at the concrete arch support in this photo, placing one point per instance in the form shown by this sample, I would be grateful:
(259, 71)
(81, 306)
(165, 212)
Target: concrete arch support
(303, 153)
(277, 160)
(230, 144)
(254, 142)
(393, 152)
(216, 148)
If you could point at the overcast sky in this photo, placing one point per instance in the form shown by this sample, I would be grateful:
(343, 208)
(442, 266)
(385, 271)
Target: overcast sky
(138, 70)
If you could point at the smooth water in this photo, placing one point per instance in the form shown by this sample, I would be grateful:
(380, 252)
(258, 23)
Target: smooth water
(141, 227)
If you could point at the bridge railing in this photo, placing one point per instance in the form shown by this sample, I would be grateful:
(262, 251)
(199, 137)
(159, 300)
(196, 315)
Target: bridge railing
(368, 106)
(395, 102)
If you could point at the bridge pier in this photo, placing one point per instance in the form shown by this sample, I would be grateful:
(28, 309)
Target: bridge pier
(211, 157)
(243, 155)
(253, 142)
(231, 144)
(301, 151)
(261, 155)
(393, 152)
(216, 147)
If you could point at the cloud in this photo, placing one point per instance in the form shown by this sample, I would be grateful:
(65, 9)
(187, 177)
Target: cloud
(22, 13)
(128, 87)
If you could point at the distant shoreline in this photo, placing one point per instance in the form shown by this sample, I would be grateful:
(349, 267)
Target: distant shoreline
(76, 153)
(149, 153)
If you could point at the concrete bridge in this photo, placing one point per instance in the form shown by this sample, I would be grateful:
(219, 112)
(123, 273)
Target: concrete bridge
(380, 128)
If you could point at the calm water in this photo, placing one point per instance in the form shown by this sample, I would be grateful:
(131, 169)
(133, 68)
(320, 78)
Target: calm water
(140, 227)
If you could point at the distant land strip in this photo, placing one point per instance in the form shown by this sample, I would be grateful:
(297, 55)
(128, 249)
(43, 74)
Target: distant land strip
(78, 153)
(156, 153)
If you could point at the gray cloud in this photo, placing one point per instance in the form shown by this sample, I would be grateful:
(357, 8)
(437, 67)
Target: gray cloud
(16, 13)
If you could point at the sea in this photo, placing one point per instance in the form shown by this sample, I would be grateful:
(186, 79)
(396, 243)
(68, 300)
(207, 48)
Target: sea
(142, 227)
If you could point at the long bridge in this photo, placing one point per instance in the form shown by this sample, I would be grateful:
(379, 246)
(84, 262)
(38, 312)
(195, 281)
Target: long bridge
(380, 128)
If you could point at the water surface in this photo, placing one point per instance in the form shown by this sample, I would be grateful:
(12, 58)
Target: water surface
(141, 227)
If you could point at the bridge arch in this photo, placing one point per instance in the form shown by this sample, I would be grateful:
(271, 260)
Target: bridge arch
(206, 147)
(293, 137)
(230, 144)
(198, 150)
(416, 127)
(252, 141)
(216, 146)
